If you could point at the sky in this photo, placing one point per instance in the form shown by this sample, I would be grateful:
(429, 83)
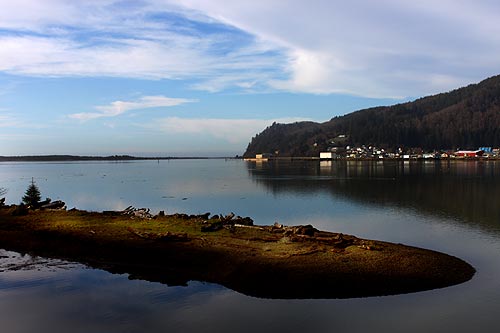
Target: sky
(201, 77)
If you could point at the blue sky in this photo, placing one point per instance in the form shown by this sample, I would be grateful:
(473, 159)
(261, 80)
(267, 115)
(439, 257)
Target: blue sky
(194, 77)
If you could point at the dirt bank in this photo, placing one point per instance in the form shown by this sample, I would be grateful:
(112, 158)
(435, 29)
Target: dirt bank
(261, 261)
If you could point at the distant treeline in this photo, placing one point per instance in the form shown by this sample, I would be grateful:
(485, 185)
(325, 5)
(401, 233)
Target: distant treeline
(465, 118)
(63, 158)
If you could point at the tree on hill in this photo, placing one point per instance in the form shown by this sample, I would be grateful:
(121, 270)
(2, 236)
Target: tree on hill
(465, 118)
(32, 195)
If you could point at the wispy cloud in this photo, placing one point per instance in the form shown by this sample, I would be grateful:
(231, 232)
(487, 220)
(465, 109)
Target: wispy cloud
(147, 40)
(234, 131)
(119, 107)
(387, 48)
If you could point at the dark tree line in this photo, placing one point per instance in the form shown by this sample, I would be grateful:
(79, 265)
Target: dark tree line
(468, 117)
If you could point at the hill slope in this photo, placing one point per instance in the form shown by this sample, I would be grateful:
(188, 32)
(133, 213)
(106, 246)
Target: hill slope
(468, 117)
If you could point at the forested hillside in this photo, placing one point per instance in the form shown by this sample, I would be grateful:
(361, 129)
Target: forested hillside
(468, 117)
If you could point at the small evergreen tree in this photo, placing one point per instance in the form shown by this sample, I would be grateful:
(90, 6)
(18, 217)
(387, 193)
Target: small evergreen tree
(32, 194)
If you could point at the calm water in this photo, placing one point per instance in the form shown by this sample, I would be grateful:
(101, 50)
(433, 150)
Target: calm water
(449, 207)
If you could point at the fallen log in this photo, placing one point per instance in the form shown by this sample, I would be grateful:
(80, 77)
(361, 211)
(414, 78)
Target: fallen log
(165, 236)
(58, 204)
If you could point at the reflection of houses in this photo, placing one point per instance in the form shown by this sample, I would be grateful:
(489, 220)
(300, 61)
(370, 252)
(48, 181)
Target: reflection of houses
(469, 153)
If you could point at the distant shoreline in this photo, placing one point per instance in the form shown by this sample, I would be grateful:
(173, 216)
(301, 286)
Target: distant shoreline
(69, 158)
(76, 158)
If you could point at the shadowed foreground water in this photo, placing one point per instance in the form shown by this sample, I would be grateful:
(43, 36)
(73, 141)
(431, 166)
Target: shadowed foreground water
(445, 207)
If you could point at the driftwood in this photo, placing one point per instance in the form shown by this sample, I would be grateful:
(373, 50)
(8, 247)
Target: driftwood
(307, 233)
(166, 236)
(256, 227)
(133, 212)
(58, 204)
(300, 233)
(42, 203)
(187, 216)
(216, 222)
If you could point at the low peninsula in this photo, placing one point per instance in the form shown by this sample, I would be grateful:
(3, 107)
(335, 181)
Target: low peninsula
(276, 261)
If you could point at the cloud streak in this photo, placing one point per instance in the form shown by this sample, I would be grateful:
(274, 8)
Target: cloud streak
(146, 40)
(119, 107)
(386, 48)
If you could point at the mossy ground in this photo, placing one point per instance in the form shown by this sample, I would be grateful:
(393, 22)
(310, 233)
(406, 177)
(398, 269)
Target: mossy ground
(259, 261)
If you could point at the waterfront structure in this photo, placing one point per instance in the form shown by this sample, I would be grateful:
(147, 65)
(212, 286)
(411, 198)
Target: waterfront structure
(327, 155)
(469, 153)
(263, 156)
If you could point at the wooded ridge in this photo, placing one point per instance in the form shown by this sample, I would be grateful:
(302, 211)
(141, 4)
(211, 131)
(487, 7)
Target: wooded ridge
(464, 118)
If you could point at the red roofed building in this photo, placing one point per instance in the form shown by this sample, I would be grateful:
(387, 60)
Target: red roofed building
(469, 153)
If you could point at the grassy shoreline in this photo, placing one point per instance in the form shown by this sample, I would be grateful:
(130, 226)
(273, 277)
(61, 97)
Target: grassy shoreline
(260, 261)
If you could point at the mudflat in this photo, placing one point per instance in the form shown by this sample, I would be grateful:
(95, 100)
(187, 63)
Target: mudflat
(261, 261)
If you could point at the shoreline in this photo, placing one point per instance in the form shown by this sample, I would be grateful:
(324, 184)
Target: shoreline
(126, 158)
(390, 159)
(261, 261)
(118, 158)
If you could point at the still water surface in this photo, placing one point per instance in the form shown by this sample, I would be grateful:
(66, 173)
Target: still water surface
(449, 207)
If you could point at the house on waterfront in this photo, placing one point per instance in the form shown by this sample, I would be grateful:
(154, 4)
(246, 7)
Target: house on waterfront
(469, 153)
(263, 156)
(326, 155)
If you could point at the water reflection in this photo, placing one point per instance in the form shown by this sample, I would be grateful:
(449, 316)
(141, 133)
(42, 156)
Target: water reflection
(464, 190)
(102, 302)
(373, 200)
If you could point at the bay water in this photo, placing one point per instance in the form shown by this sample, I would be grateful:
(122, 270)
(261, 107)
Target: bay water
(447, 206)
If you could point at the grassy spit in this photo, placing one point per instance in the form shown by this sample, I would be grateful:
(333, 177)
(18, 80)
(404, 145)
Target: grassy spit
(260, 261)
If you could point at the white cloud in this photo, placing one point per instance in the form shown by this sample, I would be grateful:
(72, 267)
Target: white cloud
(118, 107)
(41, 56)
(30, 14)
(386, 48)
(234, 131)
(58, 38)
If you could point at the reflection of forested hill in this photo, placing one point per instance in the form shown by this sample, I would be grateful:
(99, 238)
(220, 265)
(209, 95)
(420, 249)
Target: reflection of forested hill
(468, 117)
(467, 190)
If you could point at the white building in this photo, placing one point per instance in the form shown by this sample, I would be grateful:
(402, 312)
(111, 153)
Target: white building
(327, 155)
